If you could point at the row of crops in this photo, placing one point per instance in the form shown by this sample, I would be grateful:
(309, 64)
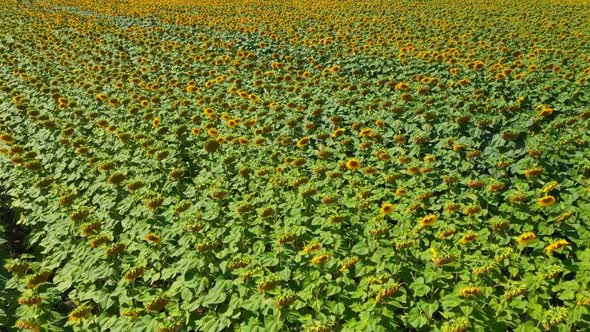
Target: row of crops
(296, 165)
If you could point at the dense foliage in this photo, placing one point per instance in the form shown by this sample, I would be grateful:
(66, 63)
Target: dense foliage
(296, 165)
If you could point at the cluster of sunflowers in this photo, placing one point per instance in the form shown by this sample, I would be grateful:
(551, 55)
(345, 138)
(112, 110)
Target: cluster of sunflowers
(297, 165)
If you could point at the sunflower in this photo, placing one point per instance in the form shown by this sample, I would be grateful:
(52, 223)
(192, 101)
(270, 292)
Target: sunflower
(102, 97)
(319, 259)
(366, 132)
(338, 132)
(401, 191)
(195, 131)
(546, 201)
(463, 82)
(429, 158)
(80, 313)
(428, 220)
(468, 291)
(402, 86)
(232, 123)
(156, 122)
(526, 238)
(225, 117)
(386, 208)
(303, 142)
(478, 65)
(153, 238)
(550, 186)
(556, 245)
(353, 164)
(212, 132)
(208, 111)
(545, 111)
(313, 247)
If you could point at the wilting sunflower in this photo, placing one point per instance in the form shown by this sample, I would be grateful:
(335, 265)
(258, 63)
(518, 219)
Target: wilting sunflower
(526, 238)
(556, 245)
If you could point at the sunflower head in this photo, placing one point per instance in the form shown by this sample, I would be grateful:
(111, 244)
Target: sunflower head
(152, 238)
(386, 208)
(546, 201)
(526, 238)
(156, 122)
(428, 220)
(353, 164)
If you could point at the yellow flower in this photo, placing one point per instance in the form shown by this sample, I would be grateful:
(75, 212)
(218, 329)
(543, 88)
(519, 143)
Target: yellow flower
(152, 237)
(338, 132)
(546, 201)
(478, 65)
(303, 142)
(429, 158)
(353, 164)
(556, 245)
(349, 263)
(156, 122)
(428, 220)
(463, 82)
(366, 132)
(319, 259)
(386, 208)
(550, 186)
(468, 237)
(402, 86)
(533, 172)
(545, 111)
(468, 291)
(80, 313)
(213, 132)
(526, 238)
(312, 248)
(195, 131)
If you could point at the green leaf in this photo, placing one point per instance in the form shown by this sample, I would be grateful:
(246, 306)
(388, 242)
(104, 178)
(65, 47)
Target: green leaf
(419, 288)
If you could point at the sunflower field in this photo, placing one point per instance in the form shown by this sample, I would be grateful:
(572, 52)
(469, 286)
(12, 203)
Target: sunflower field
(301, 165)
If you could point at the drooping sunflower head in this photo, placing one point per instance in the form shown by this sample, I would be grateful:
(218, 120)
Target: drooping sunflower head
(428, 220)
